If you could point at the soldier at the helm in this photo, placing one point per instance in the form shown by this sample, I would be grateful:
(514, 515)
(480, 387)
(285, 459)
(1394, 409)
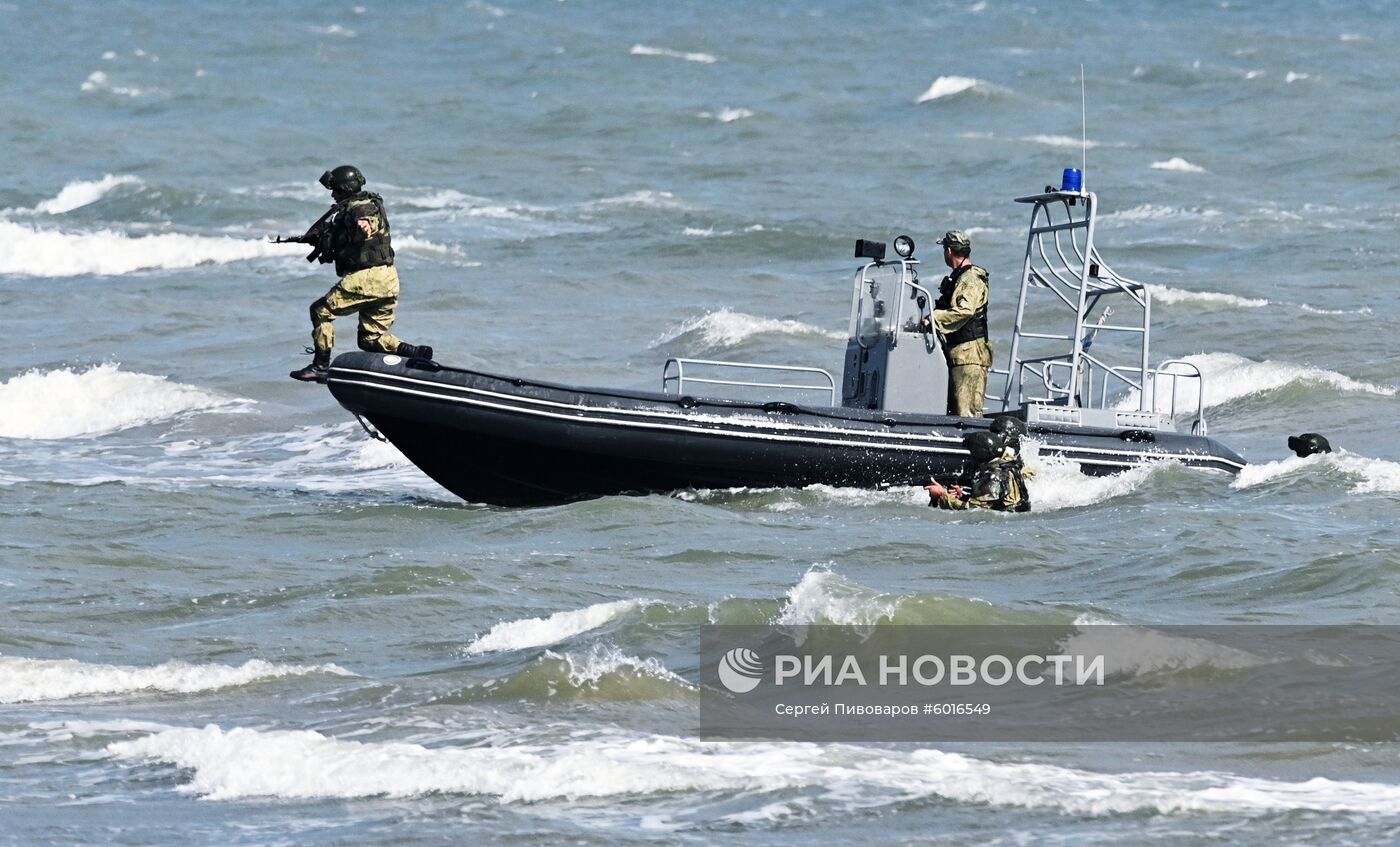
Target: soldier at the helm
(355, 235)
(960, 319)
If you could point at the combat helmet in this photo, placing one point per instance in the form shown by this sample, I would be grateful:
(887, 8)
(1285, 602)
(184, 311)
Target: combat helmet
(1308, 444)
(984, 446)
(1009, 428)
(345, 178)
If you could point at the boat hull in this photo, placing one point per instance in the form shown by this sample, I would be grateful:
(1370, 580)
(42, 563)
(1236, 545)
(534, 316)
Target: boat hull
(514, 442)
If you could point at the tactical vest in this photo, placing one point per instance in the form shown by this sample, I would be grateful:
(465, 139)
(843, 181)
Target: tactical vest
(976, 326)
(993, 482)
(349, 248)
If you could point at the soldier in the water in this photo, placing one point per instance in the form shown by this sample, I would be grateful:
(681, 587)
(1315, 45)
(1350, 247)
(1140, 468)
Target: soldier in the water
(998, 482)
(355, 235)
(960, 319)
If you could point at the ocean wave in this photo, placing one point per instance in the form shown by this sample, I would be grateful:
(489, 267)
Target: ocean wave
(53, 253)
(1057, 483)
(35, 680)
(723, 328)
(1229, 377)
(1170, 296)
(1372, 476)
(65, 403)
(951, 86)
(644, 199)
(1178, 164)
(643, 50)
(1062, 141)
(1138, 651)
(99, 82)
(80, 193)
(1154, 212)
(726, 116)
(544, 631)
(241, 763)
(825, 597)
(603, 673)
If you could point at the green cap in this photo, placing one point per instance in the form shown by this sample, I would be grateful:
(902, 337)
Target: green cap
(957, 239)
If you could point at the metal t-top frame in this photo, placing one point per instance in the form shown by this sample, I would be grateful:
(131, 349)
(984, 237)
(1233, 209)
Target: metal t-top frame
(1052, 364)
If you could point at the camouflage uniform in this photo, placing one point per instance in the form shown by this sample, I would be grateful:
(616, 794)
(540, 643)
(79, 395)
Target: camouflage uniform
(968, 360)
(999, 485)
(368, 284)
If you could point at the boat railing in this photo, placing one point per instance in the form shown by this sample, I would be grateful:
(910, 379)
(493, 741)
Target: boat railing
(710, 372)
(1194, 406)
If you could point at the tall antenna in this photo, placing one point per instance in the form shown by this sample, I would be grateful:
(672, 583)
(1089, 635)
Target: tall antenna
(1083, 126)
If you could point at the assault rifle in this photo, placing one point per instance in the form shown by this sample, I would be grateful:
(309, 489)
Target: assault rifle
(313, 236)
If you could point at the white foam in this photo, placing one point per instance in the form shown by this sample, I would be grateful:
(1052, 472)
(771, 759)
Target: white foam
(590, 668)
(642, 199)
(727, 116)
(98, 81)
(1176, 163)
(1364, 310)
(1136, 651)
(334, 29)
(66, 403)
(81, 193)
(50, 252)
(1373, 476)
(822, 597)
(724, 328)
(1169, 296)
(560, 626)
(1152, 212)
(1229, 377)
(1061, 141)
(702, 58)
(947, 86)
(1058, 483)
(32, 680)
(1294, 76)
(245, 763)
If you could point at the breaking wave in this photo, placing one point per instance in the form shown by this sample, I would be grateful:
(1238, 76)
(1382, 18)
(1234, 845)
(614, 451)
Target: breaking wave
(1178, 164)
(33, 680)
(702, 58)
(242, 763)
(1371, 476)
(66, 403)
(723, 328)
(1137, 651)
(604, 673)
(81, 193)
(1229, 377)
(951, 86)
(824, 597)
(726, 116)
(53, 253)
(1170, 296)
(544, 631)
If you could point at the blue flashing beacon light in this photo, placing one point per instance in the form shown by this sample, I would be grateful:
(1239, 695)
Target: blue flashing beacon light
(1073, 180)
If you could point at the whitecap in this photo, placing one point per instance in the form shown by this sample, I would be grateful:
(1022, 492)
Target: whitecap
(66, 403)
(560, 626)
(35, 680)
(1061, 141)
(702, 58)
(242, 763)
(79, 193)
(724, 328)
(1294, 76)
(30, 251)
(1169, 296)
(1178, 164)
(947, 86)
(1372, 476)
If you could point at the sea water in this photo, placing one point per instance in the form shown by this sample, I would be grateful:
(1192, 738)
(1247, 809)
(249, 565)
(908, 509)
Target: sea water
(229, 617)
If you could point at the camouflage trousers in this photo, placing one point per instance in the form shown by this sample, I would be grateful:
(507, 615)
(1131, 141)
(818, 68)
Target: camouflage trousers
(967, 389)
(373, 292)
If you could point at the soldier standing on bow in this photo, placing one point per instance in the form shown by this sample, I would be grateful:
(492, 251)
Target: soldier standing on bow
(355, 235)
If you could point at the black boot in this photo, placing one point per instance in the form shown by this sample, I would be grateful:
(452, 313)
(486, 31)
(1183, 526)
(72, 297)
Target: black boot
(415, 351)
(316, 371)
